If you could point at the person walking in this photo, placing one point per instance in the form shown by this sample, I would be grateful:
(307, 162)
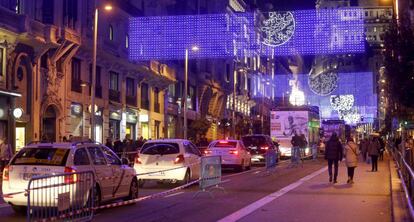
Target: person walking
(109, 143)
(351, 158)
(373, 151)
(363, 146)
(5, 153)
(334, 154)
(382, 148)
(296, 143)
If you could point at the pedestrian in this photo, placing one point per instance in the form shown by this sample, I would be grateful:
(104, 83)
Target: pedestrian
(363, 146)
(5, 153)
(296, 143)
(351, 158)
(70, 138)
(334, 154)
(117, 146)
(64, 139)
(109, 143)
(373, 151)
(382, 148)
(303, 143)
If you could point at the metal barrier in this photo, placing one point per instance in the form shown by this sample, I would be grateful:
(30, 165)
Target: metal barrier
(407, 179)
(61, 197)
(210, 174)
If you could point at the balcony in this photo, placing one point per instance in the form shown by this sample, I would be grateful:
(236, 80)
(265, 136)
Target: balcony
(114, 95)
(145, 104)
(157, 107)
(131, 100)
(76, 86)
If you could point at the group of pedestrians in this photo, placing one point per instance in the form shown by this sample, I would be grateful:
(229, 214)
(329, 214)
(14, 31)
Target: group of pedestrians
(335, 152)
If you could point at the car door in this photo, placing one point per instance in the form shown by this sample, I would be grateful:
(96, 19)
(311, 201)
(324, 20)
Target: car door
(121, 179)
(190, 159)
(102, 171)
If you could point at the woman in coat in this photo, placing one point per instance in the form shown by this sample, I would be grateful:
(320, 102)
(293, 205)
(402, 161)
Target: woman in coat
(373, 150)
(351, 158)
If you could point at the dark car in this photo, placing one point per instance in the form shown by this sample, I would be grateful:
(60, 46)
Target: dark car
(258, 145)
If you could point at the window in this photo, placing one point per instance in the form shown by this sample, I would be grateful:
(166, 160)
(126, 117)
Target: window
(41, 156)
(130, 87)
(97, 156)
(19, 7)
(126, 41)
(47, 11)
(111, 33)
(144, 92)
(171, 93)
(2, 62)
(97, 76)
(111, 157)
(113, 81)
(156, 95)
(196, 151)
(76, 67)
(160, 148)
(227, 77)
(70, 13)
(81, 158)
(191, 97)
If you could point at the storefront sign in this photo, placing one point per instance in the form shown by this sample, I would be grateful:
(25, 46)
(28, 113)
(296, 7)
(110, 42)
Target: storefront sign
(143, 118)
(115, 115)
(131, 118)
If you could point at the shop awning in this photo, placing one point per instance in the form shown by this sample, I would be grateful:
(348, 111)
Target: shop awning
(9, 93)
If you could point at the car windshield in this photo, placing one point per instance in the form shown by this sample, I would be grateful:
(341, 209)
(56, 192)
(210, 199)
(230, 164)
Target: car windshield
(224, 144)
(160, 148)
(256, 141)
(41, 156)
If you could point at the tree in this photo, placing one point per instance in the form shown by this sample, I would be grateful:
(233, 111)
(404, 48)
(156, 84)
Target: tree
(198, 129)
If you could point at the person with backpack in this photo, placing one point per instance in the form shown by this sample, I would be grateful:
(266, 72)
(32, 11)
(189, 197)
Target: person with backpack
(351, 158)
(333, 154)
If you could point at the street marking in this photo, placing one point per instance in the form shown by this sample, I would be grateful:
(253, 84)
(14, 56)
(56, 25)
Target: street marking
(174, 194)
(225, 181)
(236, 174)
(257, 172)
(4, 205)
(269, 198)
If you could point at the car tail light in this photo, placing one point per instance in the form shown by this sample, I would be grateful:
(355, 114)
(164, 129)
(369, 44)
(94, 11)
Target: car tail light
(233, 152)
(265, 147)
(223, 142)
(179, 159)
(138, 160)
(206, 152)
(70, 178)
(6, 173)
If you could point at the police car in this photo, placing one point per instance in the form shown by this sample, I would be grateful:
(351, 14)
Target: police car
(114, 179)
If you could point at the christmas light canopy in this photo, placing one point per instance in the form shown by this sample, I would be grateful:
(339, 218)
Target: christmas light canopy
(342, 102)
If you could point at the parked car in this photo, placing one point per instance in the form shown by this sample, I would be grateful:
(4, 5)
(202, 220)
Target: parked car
(44, 159)
(258, 145)
(169, 160)
(233, 154)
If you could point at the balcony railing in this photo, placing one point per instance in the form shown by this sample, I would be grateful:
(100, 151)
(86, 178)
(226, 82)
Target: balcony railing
(145, 104)
(156, 107)
(131, 100)
(114, 95)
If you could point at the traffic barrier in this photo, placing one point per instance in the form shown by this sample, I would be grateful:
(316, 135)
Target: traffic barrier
(271, 160)
(406, 175)
(66, 196)
(210, 174)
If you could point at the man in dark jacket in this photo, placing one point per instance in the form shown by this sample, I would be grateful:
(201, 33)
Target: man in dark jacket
(333, 154)
(296, 144)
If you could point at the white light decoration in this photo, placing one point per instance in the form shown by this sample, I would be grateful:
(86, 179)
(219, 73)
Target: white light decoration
(323, 84)
(278, 28)
(350, 116)
(342, 102)
(297, 97)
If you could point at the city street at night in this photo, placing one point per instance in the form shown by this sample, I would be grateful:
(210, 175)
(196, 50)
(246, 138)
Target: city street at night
(207, 110)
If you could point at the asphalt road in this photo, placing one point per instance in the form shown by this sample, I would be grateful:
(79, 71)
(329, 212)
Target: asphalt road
(240, 189)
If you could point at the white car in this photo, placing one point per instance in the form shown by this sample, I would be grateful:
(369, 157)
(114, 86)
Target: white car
(233, 154)
(171, 160)
(114, 179)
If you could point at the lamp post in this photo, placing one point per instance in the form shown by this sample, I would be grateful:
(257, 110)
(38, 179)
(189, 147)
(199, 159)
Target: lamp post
(194, 49)
(93, 84)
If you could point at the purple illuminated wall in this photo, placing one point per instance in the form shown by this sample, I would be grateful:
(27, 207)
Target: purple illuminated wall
(217, 35)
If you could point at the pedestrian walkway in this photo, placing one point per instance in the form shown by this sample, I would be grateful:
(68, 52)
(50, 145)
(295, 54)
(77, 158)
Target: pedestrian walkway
(315, 199)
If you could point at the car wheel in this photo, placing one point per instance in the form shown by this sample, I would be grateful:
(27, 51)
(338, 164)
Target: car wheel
(250, 165)
(187, 178)
(133, 190)
(21, 210)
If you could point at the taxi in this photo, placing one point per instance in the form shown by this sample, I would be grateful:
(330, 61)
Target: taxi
(113, 178)
(233, 154)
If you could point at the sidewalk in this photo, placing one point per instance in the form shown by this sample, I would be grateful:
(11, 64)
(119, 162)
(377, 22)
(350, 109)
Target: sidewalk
(368, 199)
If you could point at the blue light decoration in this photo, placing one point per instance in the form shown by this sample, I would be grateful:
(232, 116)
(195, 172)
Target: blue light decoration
(335, 31)
(167, 37)
(338, 31)
(358, 84)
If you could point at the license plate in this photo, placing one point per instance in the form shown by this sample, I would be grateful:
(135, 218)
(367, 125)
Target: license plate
(28, 176)
(157, 174)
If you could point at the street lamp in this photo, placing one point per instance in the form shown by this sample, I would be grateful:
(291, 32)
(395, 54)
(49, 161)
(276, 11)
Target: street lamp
(194, 49)
(107, 7)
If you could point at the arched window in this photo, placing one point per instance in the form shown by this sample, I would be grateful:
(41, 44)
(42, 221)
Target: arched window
(111, 33)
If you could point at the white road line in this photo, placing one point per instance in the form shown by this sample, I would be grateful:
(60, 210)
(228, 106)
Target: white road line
(225, 181)
(4, 205)
(174, 194)
(269, 198)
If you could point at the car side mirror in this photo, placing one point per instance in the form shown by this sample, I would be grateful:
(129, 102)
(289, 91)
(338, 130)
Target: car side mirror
(124, 161)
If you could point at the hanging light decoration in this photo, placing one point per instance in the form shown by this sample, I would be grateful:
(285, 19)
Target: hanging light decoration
(278, 28)
(297, 97)
(342, 102)
(323, 84)
(350, 116)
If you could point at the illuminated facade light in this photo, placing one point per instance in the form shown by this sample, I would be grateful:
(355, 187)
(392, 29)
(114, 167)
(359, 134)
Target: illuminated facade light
(297, 97)
(342, 102)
